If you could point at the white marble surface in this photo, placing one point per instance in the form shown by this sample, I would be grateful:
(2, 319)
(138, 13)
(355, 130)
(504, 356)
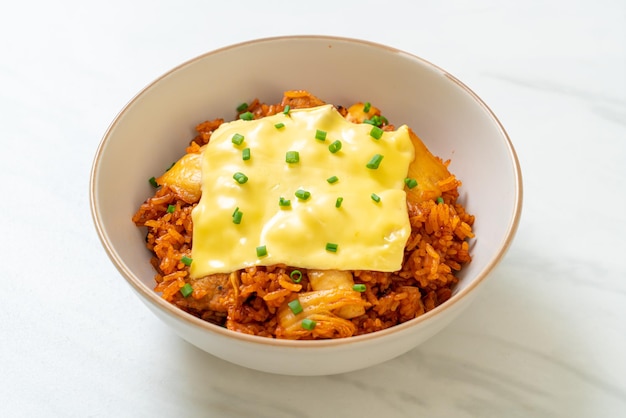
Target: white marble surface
(546, 338)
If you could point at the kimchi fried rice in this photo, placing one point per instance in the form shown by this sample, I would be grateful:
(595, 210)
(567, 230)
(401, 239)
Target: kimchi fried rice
(253, 300)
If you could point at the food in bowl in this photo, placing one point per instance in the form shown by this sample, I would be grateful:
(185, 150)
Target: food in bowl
(306, 220)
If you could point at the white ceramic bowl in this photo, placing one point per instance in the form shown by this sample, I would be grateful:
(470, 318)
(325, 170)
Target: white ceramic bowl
(156, 125)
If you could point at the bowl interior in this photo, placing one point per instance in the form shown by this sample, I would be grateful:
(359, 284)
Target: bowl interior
(152, 131)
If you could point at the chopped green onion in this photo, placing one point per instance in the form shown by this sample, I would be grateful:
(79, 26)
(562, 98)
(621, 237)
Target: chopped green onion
(153, 182)
(359, 287)
(261, 251)
(367, 106)
(237, 215)
(333, 179)
(295, 306)
(302, 194)
(279, 125)
(186, 290)
(375, 197)
(186, 260)
(376, 132)
(376, 120)
(440, 199)
(237, 139)
(171, 208)
(240, 177)
(246, 116)
(245, 154)
(321, 135)
(374, 162)
(296, 276)
(308, 324)
(338, 202)
(335, 146)
(235, 211)
(331, 247)
(282, 202)
(170, 167)
(286, 110)
(410, 183)
(242, 107)
(292, 157)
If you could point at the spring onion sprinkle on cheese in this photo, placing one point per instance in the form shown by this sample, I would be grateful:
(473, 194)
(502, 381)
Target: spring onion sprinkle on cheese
(240, 177)
(295, 306)
(331, 247)
(292, 157)
(237, 215)
(237, 139)
(284, 203)
(376, 132)
(261, 251)
(302, 194)
(186, 290)
(375, 197)
(374, 162)
(335, 146)
(332, 180)
(279, 125)
(321, 135)
(245, 154)
(286, 110)
(338, 202)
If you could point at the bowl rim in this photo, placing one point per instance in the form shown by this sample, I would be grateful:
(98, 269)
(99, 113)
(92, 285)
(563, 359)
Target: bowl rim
(156, 300)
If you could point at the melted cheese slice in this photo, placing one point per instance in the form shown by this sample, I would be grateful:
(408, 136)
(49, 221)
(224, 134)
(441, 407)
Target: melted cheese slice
(369, 235)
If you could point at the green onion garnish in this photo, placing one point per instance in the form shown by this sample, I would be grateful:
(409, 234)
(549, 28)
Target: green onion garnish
(261, 251)
(292, 157)
(170, 167)
(335, 146)
(302, 194)
(237, 215)
(375, 197)
(237, 139)
(439, 200)
(246, 116)
(296, 276)
(376, 132)
(308, 324)
(153, 182)
(186, 260)
(295, 306)
(331, 247)
(186, 290)
(410, 183)
(171, 208)
(245, 154)
(374, 162)
(321, 135)
(284, 203)
(286, 110)
(279, 125)
(333, 179)
(359, 287)
(367, 106)
(338, 202)
(376, 120)
(240, 177)
(242, 107)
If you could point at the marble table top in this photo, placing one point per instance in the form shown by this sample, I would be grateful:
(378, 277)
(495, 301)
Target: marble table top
(545, 338)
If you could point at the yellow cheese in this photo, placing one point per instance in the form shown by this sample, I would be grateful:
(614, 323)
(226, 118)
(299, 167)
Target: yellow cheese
(369, 235)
